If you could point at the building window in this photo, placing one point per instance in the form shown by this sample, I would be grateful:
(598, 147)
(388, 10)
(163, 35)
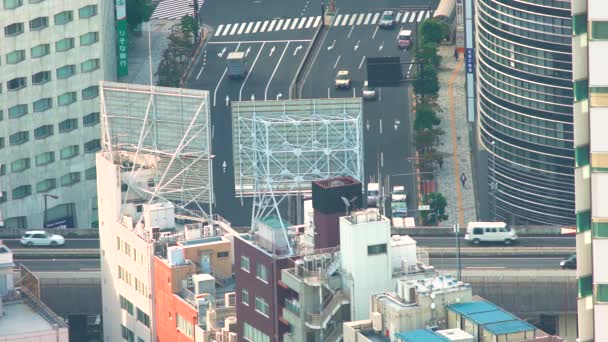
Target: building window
(252, 334)
(66, 71)
(13, 29)
(245, 296)
(89, 38)
(43, 132)
(68, 152)
(64, 17)
(87, 11)
(68, 125)
(12, 4)
(70, 179)
(64, 44)
(43, 104)
(46, 185)
(3, 196)
(17, 111)
(92, 146)
(601, 293)
(143, 318)
(261, 272)
(599, 30)
(19, 138)
(66, 98)
(41, 77)
(41, 50)
(127, 334)
(39, 23)
(245, 263)
(90, 92)
(221, 255)
(1, 143)
(15, 57)
(45, 158)
(20, 165)
(90, 173)
(22, 191)
(1, 111)
(184, 326)
(376, 249)
(126, 305)
(89, 65)
(261, 306)
(16, 83)
(90, 119)
(139, 339)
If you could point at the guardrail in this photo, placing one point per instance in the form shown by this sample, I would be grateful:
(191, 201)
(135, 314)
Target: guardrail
(57, 253)
(293, 87)
(7, 233)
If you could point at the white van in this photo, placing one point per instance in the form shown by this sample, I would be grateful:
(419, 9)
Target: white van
(373, 194)
(478, 232)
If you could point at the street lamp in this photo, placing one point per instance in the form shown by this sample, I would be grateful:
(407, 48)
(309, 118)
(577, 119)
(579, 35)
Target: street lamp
(45, 207)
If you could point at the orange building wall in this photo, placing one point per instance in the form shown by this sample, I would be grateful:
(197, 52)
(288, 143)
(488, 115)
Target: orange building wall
(168, 305)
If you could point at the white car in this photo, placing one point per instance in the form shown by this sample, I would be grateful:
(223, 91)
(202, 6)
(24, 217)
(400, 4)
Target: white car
(369, 93)
(41, 238)
(387, 20)
(398, 194)
(343, 79)
(478, 232)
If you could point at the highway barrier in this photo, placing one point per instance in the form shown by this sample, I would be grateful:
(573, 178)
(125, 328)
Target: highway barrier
(522, 231)
(55, 253)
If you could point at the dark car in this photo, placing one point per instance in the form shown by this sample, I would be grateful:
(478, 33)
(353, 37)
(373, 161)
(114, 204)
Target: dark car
(568, 263)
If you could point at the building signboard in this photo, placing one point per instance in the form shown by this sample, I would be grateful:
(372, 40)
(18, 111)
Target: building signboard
(121, 39)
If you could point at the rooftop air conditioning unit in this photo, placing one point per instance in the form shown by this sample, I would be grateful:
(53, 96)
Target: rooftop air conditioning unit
(377, 321)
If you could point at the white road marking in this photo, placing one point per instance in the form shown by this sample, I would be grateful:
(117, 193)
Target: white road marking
(338, 18)
(219, 30)
(257, 25)
(271, 51)
(226, 30)
(242, 28)
(263, 29)
(485, 267)
(309, 23)
(337, 60)
(369, 16)
(298, 48)
(413, 17)
(375, 31)
(221, 79)
(274, 71)
(376, 16)
(302, 23)
(234, 28)
(399, 14)
(328, 93)
(295, 22)
(350, 32)
(286, 26)
(361, 64)
(250, 71)
(405, 17)
(380, 133)
(272, 23)
(361, 17)
(428, 15)
(420, 15)
(352, 19)
(279, 25)
(249, 27)
(345, 21)
(259, 41)
(354, 92)
(317, 22)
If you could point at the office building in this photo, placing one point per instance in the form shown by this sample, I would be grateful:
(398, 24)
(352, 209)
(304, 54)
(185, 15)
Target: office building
(54, 53)
(590, 76)
(525, 108)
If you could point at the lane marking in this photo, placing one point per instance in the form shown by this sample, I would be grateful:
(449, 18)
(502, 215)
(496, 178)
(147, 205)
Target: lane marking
(302, 23)
(337, 60)
(405, 17)
(413, 17)
(369, 16)
(317, 22)
(486, 267)
(361, 17)
(249, 27)
(399, 14)
(309, 23)
(286, 26)
(259, 41)
(360, 65)
(420, 15)
(354, 92)
(375, 31)
(234, 28)
(226, 30)
(274, 71)
(200, 72)
(222, 78)
(279, 25)
(242, 28)
(295, 22)
(250, 71)
(219, 30)
(376, 16)
(350, 32)
(272, 23)
(263, 29)
(328, 93)
(338, 18)
(345, 21)
(257, 25)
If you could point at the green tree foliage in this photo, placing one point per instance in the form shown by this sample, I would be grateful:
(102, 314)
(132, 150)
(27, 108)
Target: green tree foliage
(437, 203)
(433, 30)
(426, 117)
(427, 83)
(189, 26)
(176, 57)
(428, 139)
(427, 54)
(138, 11)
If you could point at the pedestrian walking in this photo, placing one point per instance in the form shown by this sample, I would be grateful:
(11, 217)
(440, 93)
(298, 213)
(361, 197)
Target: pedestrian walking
(456, 54)
(440, 161)
(463, 179)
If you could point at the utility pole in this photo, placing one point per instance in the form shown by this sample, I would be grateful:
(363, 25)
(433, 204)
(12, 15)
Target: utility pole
(459, 265)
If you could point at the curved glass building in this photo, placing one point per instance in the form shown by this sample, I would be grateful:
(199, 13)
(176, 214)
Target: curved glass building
(525, 106)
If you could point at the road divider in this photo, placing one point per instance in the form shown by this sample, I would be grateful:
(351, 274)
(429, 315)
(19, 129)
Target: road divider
(493, 252)
(56, 253)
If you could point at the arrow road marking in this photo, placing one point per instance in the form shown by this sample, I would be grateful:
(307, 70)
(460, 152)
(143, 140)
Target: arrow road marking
(252, 97)
(221, 53)
(227, 100)
(381, 46)
(248, 50)
(296, 50)
(271, 51)
(275, 69)
(279, 95)
(250, 71)
(222, 78)
(331, 46)
(357, 46)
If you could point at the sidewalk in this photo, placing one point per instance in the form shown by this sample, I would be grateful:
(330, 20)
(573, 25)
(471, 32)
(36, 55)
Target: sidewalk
(451, 98)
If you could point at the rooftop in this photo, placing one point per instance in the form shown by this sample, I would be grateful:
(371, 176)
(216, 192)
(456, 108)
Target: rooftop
(491, 317)
(374, 336)
(420, 335)
(25, 315)
(335, 182)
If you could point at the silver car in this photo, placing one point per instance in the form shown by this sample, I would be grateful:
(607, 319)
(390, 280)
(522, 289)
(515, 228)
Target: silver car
(369, 93)
(387, 20)
(41, 238)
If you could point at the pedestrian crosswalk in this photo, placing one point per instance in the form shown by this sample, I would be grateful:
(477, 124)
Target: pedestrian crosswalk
(173, 9)
(273, 25)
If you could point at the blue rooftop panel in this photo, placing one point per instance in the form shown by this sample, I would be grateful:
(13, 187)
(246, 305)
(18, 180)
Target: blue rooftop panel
(472, 307)
(420, 335)
(490, 317)
(509, 327)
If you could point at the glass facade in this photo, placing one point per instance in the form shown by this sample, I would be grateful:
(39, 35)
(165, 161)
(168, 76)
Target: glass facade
(525, 109)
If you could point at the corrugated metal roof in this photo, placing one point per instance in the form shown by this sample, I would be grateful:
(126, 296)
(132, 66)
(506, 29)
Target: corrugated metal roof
(420, 335)
(490, 317)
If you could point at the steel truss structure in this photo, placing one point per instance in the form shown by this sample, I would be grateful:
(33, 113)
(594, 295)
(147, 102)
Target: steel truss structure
(280, 147)
(161, 137)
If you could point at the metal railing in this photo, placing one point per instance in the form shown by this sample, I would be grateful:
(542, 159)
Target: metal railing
(318, 319)
(293, 306)
(334, 335)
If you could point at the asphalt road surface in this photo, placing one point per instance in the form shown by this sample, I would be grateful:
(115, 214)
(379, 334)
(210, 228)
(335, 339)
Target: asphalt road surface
(60, 265)
(69, 244)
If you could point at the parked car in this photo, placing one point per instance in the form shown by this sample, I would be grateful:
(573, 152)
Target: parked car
(398, 194)
(478, 232)
(343, 79)
(568, 263)
(41, 238)
(387, 20)
(369, 93)
(404, 39)
(373, 194)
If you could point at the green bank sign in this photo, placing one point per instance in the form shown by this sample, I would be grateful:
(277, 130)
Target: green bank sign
(121, 31)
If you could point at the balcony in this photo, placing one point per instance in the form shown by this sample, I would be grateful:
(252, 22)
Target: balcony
(318, 320)
(290, 279)
(291, 312)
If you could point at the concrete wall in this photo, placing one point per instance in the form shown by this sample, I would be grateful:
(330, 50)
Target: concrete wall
(222, 266)
(60, 335)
